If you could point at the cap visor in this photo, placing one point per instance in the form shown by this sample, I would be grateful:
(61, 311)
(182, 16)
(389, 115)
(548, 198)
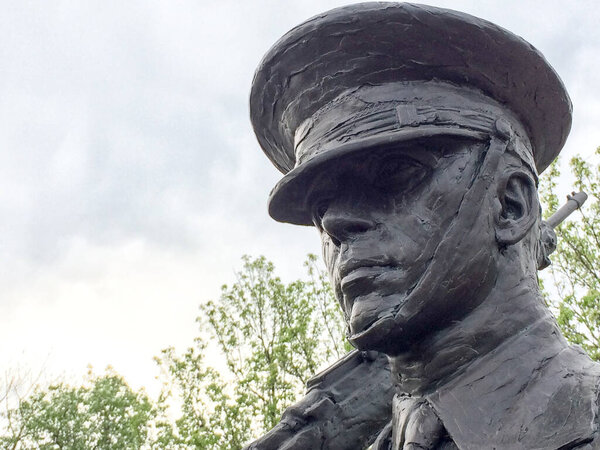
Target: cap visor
(288, 199)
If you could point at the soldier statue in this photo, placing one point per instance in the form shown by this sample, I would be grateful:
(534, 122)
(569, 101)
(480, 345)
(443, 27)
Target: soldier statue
(412, 137)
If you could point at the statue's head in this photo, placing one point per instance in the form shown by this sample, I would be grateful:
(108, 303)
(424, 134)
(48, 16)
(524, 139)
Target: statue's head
(411, 137)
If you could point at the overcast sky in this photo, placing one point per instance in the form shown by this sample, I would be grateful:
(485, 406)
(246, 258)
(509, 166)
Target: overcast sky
(130, 179)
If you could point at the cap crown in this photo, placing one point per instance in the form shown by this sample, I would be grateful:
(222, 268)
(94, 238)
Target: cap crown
(379, 43)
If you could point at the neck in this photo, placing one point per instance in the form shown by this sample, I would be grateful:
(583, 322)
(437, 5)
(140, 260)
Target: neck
(511, 309)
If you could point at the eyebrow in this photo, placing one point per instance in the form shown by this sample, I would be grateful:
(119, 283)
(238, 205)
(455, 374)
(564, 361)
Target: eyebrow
(416, 151)
(422, 155)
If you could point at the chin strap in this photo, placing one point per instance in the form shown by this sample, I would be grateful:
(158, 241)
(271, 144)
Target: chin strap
(448, 262)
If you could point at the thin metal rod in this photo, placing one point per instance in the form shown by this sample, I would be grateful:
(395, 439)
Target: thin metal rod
(574, 201)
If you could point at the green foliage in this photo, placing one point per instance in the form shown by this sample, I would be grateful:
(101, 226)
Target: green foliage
(273, 336)
(104, 413)
(575, 269)
(208, 415)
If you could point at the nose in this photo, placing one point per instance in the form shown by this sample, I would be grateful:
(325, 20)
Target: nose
(342, 224)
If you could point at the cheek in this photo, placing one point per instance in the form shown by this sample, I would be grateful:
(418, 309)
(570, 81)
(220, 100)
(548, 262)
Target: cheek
(330, 255)
(438, 202)
(408, 238)
(328, 250)
(420, 220)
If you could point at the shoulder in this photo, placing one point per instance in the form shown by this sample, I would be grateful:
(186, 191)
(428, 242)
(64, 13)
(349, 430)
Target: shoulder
(567, 391)
(594, 444)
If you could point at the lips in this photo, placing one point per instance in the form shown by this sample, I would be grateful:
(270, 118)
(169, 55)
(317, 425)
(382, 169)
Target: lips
(360, 279)
(370, 291)
(351, 264)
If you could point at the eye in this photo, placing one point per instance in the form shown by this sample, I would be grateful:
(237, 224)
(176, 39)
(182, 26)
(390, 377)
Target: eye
(318, 211)
(322, 190)
(398, 173)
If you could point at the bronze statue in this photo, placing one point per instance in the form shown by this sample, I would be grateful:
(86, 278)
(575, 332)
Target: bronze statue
(412, 137)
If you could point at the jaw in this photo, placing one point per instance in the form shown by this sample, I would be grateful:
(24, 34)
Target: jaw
(374, 309)
(369, 294)
(404, 322)
(375, 336)
(374, 323)
(368, 309)
(387, 335)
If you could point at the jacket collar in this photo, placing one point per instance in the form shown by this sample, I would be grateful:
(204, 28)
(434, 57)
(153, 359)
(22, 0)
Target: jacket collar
(533, 392)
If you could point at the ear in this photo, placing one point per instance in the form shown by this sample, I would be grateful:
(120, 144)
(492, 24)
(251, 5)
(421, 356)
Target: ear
(519, 211)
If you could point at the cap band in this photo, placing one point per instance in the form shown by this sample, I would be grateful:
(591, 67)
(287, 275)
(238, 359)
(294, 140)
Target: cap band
(370, 111)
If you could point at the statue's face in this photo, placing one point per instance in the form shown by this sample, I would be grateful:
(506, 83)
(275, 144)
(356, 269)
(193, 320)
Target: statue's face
(381, 219)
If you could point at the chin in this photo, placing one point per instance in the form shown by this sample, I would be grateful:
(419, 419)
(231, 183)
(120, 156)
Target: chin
(375, 337)
(374, 324)
(384, 323)
(387, 335)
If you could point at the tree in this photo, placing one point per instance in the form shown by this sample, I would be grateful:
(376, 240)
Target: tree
(273, 336)
(208, 417)
(17, 385)
(575, 269)
(103, 413)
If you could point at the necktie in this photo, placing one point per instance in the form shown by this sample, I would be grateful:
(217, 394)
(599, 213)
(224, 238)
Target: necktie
(416, 426)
